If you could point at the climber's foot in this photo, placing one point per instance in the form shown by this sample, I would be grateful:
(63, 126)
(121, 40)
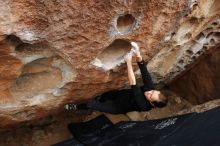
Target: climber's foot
(70, 106)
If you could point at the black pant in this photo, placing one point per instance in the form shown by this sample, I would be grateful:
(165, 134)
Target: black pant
(116, 101)
(107, 106)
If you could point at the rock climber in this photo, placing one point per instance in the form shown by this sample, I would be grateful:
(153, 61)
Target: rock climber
(136, 98)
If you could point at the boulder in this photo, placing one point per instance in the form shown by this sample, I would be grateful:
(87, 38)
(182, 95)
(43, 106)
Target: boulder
(55, 52)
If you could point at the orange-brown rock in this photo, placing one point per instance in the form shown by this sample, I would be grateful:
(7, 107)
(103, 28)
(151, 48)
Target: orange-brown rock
(54, 52)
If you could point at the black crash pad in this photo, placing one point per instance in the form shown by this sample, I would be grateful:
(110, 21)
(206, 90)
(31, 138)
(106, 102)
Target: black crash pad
(202, 130)
(195, 129)
(69, 142)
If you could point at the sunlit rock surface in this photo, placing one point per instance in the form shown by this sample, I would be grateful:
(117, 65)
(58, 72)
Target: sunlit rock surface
(55, 52)
(196, 34)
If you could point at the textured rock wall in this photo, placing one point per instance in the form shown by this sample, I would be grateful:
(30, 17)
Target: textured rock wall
(201, 83)
(54, 52)
(197, 36)
(197, 32)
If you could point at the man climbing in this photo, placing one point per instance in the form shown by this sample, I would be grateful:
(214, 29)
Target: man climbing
(136, 98)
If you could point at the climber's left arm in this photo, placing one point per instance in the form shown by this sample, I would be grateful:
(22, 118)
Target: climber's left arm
(131, 76)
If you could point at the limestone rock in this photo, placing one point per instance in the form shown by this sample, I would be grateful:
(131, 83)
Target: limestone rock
(55, 52)
(201, 83)
(196, 34)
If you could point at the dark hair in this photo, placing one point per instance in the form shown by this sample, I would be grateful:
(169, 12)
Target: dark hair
(163, 101)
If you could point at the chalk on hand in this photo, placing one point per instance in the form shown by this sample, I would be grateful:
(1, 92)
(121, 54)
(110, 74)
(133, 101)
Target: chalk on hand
(135, 48)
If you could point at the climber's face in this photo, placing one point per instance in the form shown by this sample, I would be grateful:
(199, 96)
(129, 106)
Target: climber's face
(152, 96)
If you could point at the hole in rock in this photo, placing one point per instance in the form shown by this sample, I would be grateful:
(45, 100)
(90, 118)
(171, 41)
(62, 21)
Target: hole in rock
(212, 41)
(217, 34)
(13, 40)
(214, 23)
(205, 48)
(27, 48)
(173, 33)
(125, 23)
(113, 54)
(43, 72)
(194, 58)
(194, 7)
(44, 75)
(200, 52)
(208, 30)
(200, 37)
(189, 52)
(181, 61)
(37, 76)
(29, 52)
(210, 34)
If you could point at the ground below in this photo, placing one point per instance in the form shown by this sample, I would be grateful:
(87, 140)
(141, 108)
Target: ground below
(54, 130)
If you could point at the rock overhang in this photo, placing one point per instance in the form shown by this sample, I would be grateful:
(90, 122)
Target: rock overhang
(75, 34)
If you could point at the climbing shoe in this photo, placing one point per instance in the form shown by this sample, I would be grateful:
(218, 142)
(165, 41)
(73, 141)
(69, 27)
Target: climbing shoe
(70, 106)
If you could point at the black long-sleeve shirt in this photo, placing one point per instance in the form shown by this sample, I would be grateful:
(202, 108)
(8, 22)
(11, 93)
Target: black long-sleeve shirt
(125, 100)
(147, 80)
(133, 99)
